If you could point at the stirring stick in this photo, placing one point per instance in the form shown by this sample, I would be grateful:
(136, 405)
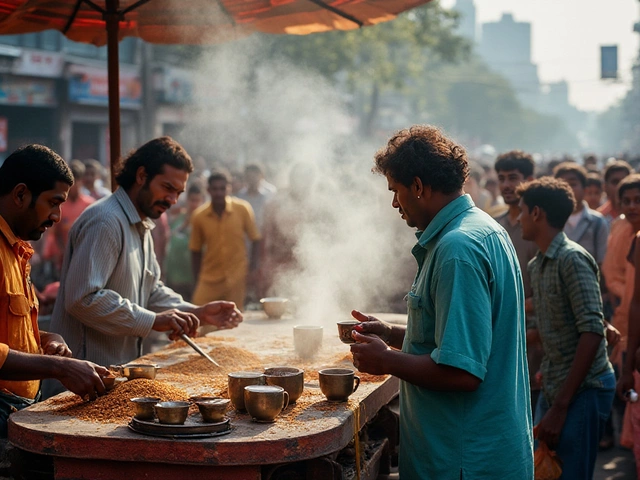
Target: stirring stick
(193, 345)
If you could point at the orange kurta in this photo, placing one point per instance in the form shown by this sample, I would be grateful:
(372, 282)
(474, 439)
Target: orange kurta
(18, 307)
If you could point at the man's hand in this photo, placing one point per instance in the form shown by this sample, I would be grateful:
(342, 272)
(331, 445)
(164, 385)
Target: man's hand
(369, 354)
(83, 378)
(612, 334)
(550, 427)
(624, 384)
(221, 314)
(54, 344)
(371, 325)
(177, 323)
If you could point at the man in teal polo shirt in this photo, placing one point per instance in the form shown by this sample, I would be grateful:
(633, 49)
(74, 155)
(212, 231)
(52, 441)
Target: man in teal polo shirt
(464, 392)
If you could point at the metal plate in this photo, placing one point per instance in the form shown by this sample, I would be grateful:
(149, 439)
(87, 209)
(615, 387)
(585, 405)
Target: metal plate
(193, 427)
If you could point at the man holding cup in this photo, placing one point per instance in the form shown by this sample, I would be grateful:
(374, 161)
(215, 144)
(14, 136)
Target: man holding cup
(464, 393)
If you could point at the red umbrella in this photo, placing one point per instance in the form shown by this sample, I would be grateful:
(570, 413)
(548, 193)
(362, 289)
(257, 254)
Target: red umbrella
(185, 21)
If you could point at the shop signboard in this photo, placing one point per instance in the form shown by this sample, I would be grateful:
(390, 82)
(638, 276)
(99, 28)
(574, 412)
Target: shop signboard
(38, 63)
(4, 134)
(23, 91)
(174, 85)
(89, 86)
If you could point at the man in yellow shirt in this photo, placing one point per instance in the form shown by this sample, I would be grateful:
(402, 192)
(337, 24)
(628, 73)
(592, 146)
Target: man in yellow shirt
(219, 228)
(34, 183)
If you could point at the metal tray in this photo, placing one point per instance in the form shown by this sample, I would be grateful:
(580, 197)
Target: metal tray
(193, 427)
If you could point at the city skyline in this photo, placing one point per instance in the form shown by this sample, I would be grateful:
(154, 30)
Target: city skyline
(566, 40)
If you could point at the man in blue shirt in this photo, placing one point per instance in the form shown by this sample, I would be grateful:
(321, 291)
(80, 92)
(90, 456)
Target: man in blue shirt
(464, 395)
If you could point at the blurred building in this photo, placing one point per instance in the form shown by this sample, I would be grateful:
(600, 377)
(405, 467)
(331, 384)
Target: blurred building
(506, 47)
(467, 27)
(54, 91)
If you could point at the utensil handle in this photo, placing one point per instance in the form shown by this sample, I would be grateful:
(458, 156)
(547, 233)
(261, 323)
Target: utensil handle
(357, 380)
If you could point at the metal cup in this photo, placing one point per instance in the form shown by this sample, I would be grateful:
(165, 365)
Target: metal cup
(213, 410)
(172, 413)
(307, 340)
(237, 382)
(344, 330)
(338, 383)
(265, 402)
(144, 407)
(289, 378)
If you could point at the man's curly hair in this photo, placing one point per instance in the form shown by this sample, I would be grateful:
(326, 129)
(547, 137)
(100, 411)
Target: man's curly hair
(553, 195)
(423, 151)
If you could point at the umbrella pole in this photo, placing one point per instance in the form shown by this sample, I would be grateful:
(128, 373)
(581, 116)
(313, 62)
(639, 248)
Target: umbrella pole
(112, 18)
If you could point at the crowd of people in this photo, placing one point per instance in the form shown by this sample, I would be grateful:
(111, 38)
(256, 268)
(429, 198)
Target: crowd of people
(524, 314)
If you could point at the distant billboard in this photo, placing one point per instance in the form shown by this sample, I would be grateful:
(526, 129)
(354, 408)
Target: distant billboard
(609, 61)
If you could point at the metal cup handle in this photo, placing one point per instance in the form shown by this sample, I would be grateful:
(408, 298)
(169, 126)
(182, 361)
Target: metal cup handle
(286, 397)
(357, 380)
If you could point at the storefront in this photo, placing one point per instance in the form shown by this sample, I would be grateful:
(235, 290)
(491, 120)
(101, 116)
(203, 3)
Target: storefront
(28, 100)
(86, 116)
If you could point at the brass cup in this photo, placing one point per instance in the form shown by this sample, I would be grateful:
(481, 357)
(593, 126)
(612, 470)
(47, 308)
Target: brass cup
(274, 307)
(289, 378)
(307, 340)
(265, 402)
(237, 382)
(144, 407)
(138, 370)
(344, 330)
(338, 383)
(109, 383)
(172, 413)
(213, 410)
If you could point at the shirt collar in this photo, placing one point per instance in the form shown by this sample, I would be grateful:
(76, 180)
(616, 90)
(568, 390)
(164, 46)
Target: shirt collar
(443, 217)
(19, 246)
(130, 211)
(228, 207)
(554, 246)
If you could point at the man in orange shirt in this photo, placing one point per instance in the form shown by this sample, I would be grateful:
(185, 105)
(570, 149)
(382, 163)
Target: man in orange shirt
(34, 182)
(219, 228)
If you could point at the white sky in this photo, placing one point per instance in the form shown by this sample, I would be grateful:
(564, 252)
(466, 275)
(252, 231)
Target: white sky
(567, 35)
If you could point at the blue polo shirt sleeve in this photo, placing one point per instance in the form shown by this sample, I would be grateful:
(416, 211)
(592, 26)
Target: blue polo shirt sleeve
(463, 327)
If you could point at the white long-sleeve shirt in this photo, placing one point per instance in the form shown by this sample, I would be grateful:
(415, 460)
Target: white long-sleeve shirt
(110, 284)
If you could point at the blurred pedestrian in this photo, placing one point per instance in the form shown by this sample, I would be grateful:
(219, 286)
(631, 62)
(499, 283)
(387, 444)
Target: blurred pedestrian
(93, 180)
(613, 175)
(220, 260)
(584, 226)
(177, 266)
(577, 378)
(593, 190)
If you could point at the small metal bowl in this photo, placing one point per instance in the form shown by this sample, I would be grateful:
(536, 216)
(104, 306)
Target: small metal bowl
(109, 383)
(138, 370)
(202, 398)
(144, 407)
(172, 413)
(213, 410)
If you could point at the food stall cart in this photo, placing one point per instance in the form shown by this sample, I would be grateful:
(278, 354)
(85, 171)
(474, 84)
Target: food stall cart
(305, 441)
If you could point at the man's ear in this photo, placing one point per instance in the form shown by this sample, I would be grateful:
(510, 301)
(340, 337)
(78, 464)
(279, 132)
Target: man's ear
(538, 214)
(141, 175)
(21, 195)
(420, 189)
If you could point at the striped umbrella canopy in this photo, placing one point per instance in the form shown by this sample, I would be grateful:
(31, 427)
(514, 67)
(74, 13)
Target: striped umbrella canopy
(101, 22)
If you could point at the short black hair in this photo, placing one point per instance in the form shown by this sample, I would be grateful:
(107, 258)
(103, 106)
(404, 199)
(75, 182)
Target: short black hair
(254, 167)
(77, 169)
(571, 168)
(617, 166)
(594, 180)
(552, 195)
(423, 151)
(628, 183)
(516, 160)
(37, 166)
(153, 156)
(219, 174)
(195, 188)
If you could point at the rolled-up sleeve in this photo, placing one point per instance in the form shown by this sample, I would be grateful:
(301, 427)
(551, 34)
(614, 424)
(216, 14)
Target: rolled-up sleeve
(463, 317)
